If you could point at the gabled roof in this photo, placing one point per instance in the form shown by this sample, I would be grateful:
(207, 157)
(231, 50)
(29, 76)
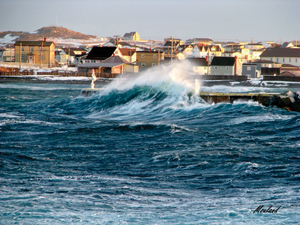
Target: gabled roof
(223, 61)
(110, 62)
(101, 53)
(198, 61)
(130, 34)
(210, 47)
(116, 59)
(127, 51)
(72, 51)
(281, 52)
(34, 43)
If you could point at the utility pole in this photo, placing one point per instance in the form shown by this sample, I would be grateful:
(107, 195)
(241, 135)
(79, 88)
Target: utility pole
(20, 53)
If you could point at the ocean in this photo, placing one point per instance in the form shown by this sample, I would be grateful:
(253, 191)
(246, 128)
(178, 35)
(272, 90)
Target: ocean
(147, 150)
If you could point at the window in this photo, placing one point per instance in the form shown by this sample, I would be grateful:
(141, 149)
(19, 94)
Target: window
(153, 64)
(283, 60)
(290, 60)
(296, 60)
(23, 49)
(154, 56)
(227, 67)
(143, 64)
(216, 67)
(31, 49)
(41, 58)
(41, 49)
(143, 56)
(23, 58)
(248, 67)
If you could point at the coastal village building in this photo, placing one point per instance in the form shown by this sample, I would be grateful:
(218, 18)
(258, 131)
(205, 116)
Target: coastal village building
(35, 52)
(98, 54)
(186, 50)
(199, 66)
(255, 46)
(170, 47)
(200, 41)
(282, 55)
(225, 66)
(112, 66)
(108, 61)
(206, 51)
(268, 67)
(7, 54)
(148, 59)
(128, 54)
(133, 36)
(250, 70)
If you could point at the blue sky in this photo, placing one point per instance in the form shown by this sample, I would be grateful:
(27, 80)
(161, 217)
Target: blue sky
(261, 20)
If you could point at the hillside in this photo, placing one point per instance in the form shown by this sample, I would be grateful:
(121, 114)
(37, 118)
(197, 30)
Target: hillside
(50, 32)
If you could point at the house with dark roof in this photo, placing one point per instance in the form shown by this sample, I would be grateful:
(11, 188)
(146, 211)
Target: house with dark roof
(98, 54)
(225, 66)
(114, 65)
(282, 55)
(134, 36)
(199, 66)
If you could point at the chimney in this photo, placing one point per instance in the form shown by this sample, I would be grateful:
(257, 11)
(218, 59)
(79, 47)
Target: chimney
(45, 39)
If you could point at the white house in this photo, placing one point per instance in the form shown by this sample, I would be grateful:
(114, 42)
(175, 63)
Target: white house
(282, 55)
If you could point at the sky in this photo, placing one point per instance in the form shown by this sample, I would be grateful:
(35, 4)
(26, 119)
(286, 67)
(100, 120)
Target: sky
(220, 20)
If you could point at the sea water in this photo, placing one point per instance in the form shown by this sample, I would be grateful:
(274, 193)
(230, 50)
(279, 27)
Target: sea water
(145, 151)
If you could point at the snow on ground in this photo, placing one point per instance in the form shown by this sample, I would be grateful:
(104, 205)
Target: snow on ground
(7, 39)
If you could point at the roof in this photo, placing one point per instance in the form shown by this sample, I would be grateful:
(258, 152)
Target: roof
(110, 62)
(199, 40)
(198, 61)
(286, 73)
(223, 61)
(127, 51)
(130, 34)
(116, 59)
(73, 50)
(101, 53)
(281, 52)
(249, 64)
(205, 48)
(34, 43)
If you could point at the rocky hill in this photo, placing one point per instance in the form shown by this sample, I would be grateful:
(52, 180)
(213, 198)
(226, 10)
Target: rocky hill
(50, 32)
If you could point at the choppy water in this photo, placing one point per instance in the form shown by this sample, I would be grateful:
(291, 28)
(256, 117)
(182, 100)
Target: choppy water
(143, 152)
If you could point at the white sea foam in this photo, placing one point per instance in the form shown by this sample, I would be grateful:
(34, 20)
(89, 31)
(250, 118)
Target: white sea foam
(262, 118)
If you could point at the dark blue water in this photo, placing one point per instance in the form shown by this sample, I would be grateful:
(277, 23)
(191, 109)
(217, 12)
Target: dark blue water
(144, 153)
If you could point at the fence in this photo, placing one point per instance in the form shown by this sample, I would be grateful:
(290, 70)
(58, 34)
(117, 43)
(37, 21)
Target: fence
(281, 78)
(58, 73)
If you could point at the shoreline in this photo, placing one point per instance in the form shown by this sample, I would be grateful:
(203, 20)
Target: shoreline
(56, 79)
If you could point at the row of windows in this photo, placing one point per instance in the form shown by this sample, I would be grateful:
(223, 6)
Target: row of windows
(227, 67)
(41, 58)
(283, 59)
(31, 49)
(145, 64)
(143, 56)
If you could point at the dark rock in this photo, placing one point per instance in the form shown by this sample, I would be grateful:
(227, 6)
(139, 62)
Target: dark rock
(296, 106)
(274, 100)
(266, 102)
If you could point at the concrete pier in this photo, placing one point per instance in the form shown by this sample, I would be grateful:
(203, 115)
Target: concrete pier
(211, 97)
